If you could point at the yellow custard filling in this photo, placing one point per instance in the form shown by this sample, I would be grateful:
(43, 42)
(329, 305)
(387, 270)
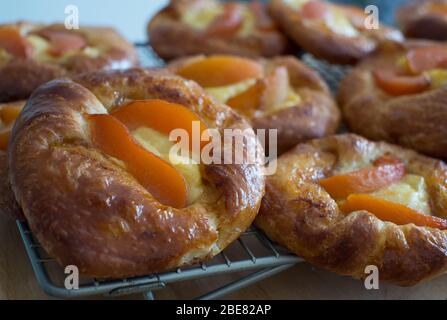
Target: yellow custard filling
(201, 18)
(438, 77)
(336, 21)
(410, 191)
(160, 145)
(296, 4)
(42, 46)
(225, 93)
(339, 23)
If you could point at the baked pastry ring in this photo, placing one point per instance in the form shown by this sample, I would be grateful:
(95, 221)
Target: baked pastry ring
(300, 214)
(187, 27)
(425, 19)
(279, 93)
(69, 166)
(336, 33)
(32, 54)
(399, 96)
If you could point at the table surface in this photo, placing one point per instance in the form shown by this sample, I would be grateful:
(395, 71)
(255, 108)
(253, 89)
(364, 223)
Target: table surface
(300, 282)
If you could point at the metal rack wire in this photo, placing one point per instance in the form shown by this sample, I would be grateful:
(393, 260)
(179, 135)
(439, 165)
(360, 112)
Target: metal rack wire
(251, 252)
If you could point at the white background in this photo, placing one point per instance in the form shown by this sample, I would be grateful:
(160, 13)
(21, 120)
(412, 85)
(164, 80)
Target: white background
(128, 16)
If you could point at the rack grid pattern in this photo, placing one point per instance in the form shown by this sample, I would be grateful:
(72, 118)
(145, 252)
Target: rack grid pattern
(253, 251)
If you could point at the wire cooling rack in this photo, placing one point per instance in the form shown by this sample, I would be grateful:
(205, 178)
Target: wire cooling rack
(253, 252)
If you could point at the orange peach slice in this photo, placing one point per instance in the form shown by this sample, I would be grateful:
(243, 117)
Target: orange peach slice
(315, 10)
(391, 211)
(248, 101)
(10, 111)
(276, 87)
(228, 23)
(8, 115)
(440, 8)
(159, 115)
(160, 178)
(364, 180)
(424, 59)
(396, 85)
(268, 92)
(221, 70)
(12, 41)
(62, 41)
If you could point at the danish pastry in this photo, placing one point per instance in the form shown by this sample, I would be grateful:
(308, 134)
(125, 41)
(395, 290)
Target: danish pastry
(32, 54)
(336, 33)
(279, 93)
(188, 27)
(91, 166)
(425, 19)
(345, 203)
(400, 96)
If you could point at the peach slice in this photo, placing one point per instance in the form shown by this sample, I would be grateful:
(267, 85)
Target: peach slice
(159, 115)
(439, 8)
(10, 111)
(385, 172)
(276, 87)
(391, 211)
(159, 177)
(315, 10)
(397, 85)
(14, 43)
(8, 115)
(62, 41)
(268, 92)
(228, 23)
(221, 70)
(429, 58)
(248, 101)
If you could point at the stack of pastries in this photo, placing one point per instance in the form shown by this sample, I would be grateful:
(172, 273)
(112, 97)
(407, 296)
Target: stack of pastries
(86, 139)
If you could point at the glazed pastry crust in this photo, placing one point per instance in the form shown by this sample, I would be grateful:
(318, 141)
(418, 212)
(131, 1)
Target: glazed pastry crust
(416, 121)
(416, 21)
(19, 77)
(172, 38)
(86, 210)
(315, 116)
(326, 44)
(299, 214)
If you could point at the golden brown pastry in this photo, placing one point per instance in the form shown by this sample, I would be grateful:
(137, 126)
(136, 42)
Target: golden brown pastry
(279, 93)
(32, 54)
(400, 96)
(336, 33)
(187, 27)
(425, 19)
(90, 166)
(344, 203)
